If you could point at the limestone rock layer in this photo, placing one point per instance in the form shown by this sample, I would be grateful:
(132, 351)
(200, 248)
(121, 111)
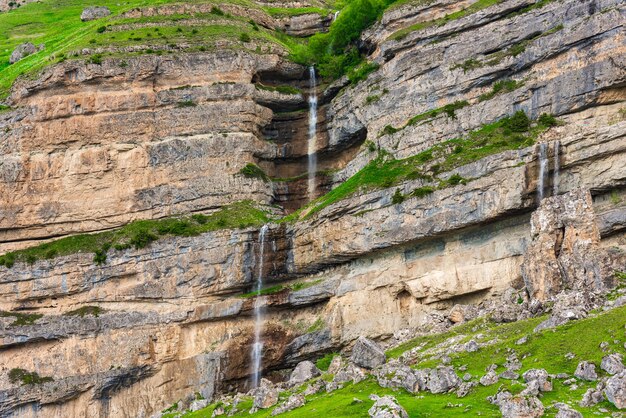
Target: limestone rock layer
(88, 148)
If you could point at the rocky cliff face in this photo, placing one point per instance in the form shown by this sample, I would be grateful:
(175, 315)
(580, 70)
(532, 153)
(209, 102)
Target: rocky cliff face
(90, 147)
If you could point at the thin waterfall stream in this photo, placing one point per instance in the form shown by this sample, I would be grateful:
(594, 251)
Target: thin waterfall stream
(259, 305)
(557, 168)
(312, 142)
(543, 169)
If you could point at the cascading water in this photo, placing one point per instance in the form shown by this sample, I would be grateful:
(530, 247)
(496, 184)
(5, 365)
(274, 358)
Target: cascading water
(259, 303)
(335, 15)
(543, 169)
(557, 168)
(312, 144)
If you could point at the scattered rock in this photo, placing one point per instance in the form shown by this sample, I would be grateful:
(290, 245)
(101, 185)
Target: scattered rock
(467, 377)
(586, 371)
(366, 353)
(615, 390)
(570, 356)
(350, 373)
(464, 388)
(517, 406)
(313, 388)
(522, 340)
(386, 407)
(332, 386)
(569, 306)
(509, 375)
(592, 397)
(531, 389)
(266, 395)
(335, 365)
(612, 364)
(22, 51)
(471, 346)
(540, 376)
(198, 404)
(442, 379)
(395, 375)
(305, 370)
(295, 401)
(489, 379)
(94, 12)
(565, 411)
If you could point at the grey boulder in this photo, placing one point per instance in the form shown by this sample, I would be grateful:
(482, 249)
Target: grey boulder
(366, 353)
(94, 12)
(304, 371)
(22, 51)
(615, 390)
(586, 371)
(612, 364)
(386, 407)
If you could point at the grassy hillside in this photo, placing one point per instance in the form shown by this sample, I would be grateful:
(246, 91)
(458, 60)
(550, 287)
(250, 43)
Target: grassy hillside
(546, 349)
(57, 24)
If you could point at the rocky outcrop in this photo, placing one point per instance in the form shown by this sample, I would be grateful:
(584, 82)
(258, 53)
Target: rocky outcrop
(94, 12)
(386, 407)
(565, 250)
(366, 353)
(22, 51)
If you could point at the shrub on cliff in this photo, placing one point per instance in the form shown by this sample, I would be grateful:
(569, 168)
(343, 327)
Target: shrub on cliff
(518, 122)
(252, 170)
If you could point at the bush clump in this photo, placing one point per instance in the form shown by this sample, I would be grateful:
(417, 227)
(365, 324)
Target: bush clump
(20, 318)
(547, 120)
(397, 197)
(85, 310)
(24, 377)
(252, 170)
(518, 122)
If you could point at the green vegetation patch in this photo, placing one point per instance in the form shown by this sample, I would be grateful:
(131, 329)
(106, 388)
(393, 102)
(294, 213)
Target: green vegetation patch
(279, 288)
(449, 110)
(252, 170)
(85, 311)
(21, 318)
(140, 234)
(512, 132)
(473, 8)
(24, 377)
(296, 11)
(279, 89)
(502, 86)
(323, 363)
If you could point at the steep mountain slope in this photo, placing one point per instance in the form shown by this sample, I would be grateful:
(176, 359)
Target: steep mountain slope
(140, 154)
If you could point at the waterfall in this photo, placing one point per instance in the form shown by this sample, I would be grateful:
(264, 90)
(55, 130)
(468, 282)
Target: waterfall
(543, 165)
(557, 167)
(335, 15)
(259, 303)
(312, 144)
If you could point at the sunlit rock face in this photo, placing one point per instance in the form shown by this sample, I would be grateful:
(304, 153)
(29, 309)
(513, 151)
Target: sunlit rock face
(93, 147)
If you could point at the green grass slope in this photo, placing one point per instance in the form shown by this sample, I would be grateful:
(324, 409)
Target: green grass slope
(546, 349)
(57, 25)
